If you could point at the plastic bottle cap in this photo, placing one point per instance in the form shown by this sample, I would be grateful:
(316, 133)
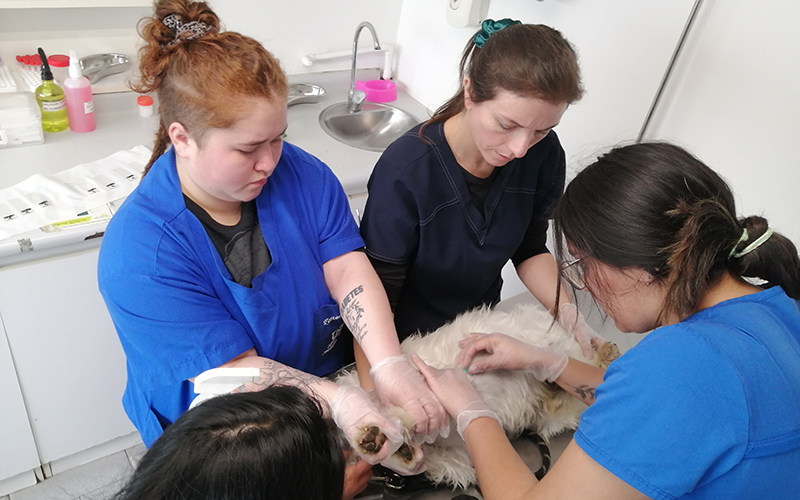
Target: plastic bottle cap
(46, 73)
(74, 65)
(58, 60)
(145, 103)
(30, 60)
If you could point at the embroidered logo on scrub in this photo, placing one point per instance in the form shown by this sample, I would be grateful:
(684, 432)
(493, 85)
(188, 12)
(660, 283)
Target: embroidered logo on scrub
(328, 321)
(335, 334)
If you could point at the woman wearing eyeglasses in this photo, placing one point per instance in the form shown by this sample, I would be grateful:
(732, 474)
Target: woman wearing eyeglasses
(707, 406)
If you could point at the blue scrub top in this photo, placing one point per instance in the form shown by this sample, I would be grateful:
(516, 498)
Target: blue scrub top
(420, 214)
(707, 408)
(178, 312)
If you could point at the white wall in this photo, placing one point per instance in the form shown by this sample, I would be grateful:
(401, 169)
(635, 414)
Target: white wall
(289, 29)
(735, 102)
(623, 45)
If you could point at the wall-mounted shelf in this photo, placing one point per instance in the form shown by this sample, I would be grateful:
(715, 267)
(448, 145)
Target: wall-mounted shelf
(49, 4)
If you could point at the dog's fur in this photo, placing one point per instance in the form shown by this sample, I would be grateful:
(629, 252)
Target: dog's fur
(520, 401)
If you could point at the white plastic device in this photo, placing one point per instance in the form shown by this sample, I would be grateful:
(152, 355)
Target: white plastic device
(464, 13)
(31, 75)
(20, 120)
(386, 48)
(224, 380)
(7, 83)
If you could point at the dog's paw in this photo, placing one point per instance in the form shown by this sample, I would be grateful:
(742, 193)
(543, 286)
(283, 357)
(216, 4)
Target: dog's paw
(408, 460)
(606, 353)
(370, 440)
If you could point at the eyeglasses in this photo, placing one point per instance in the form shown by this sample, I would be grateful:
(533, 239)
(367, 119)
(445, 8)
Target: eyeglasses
(572, 271)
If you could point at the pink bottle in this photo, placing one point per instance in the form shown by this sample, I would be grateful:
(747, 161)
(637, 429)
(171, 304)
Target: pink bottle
(78, 91)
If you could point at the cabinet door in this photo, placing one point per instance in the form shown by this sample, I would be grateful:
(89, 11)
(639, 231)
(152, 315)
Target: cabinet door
(18, 455)
(69, 361)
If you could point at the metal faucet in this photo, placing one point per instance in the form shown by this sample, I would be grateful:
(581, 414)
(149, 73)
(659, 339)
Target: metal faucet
(355, 98)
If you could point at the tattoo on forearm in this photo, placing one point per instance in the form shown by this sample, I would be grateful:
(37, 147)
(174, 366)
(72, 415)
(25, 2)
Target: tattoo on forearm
(350, 296)
(585, 392)
(352, 313)
(274, 373)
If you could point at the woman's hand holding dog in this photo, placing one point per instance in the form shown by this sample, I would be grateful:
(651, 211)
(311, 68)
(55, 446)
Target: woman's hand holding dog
(456, 393)
(398, 384)
(481, 352)
(373, 436)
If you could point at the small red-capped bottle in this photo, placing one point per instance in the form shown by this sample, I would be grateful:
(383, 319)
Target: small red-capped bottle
(145, 103)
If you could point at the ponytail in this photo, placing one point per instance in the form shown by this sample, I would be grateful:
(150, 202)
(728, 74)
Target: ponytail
(699, 254)
(775, 261)
(455, 104)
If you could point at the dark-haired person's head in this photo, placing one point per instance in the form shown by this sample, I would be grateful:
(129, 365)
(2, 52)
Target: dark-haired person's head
(529, 60)
(272, 444)
(656, 209)
(515, 82)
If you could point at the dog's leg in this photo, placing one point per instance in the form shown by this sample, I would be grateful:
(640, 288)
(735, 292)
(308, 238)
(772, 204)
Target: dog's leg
(606, 353)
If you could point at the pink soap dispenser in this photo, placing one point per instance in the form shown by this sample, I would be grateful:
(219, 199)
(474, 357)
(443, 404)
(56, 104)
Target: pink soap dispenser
(78, 91)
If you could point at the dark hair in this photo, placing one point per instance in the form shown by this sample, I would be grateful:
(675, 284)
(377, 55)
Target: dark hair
(202, 81)
(530, 60)
(272, 444)
(656, 207)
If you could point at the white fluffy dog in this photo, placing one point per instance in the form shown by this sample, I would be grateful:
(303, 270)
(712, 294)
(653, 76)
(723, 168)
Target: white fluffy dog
(520, 401)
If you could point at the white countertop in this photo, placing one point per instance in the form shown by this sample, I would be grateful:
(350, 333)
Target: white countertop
(119, 127)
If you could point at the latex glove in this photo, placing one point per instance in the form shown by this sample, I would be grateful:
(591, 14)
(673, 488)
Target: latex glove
(355, 414)
(398, 383)
(456, 393)
(481, 352)
(572, 320)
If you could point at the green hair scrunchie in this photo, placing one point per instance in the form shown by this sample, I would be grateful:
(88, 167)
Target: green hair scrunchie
(488, 27)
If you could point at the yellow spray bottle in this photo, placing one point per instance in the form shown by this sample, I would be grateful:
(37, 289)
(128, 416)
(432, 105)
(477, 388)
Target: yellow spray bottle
(51, 100)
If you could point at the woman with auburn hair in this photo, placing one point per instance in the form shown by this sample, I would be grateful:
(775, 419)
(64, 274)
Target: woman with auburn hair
(706, 406)
(238, 249)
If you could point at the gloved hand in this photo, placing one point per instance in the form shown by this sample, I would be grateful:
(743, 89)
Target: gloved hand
(481, 352)
(399, 384)
(456, 393)
(572, 320)
(357, 416)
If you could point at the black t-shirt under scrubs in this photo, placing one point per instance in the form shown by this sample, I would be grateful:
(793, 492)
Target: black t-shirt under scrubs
(421, 222)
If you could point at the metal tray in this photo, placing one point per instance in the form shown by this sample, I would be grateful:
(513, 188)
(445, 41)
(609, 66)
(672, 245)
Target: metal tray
(300, 93)
(99, 66)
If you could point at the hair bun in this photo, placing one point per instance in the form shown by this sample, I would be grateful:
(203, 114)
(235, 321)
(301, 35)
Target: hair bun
(176, 21)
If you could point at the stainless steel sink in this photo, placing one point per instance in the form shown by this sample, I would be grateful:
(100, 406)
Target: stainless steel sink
(373, 128)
